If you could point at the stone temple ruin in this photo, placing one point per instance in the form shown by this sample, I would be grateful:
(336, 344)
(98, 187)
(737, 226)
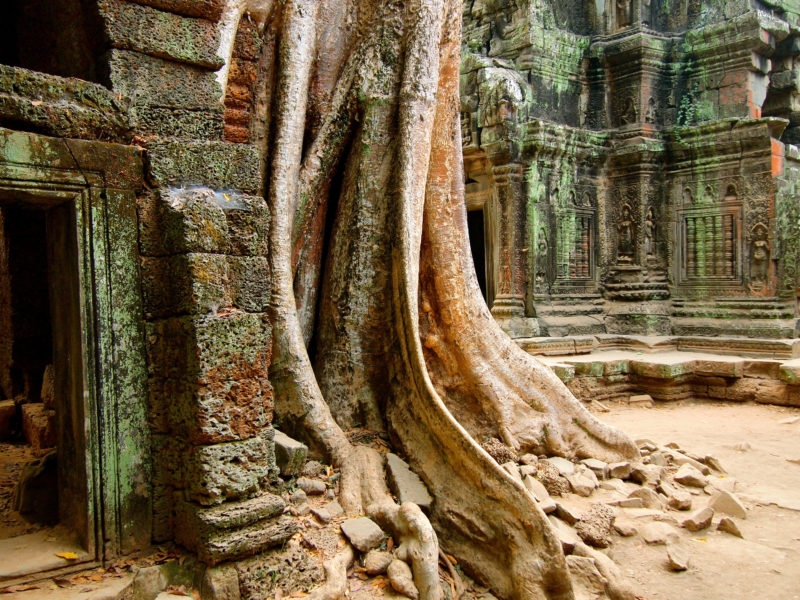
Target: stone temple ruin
(631, 170)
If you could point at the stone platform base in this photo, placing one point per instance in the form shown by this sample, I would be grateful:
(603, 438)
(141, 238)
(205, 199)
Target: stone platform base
(673, 374)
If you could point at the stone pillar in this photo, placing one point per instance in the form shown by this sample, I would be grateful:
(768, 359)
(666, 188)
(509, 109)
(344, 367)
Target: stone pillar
(509, 301)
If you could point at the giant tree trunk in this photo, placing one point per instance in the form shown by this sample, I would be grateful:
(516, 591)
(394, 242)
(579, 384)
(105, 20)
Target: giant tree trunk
(364, 137)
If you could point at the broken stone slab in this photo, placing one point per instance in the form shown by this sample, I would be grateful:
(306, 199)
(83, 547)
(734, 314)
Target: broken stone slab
(39, 426)
(529, 459)
(298, 497)
(688, 475)
(564, 466)
(586, 578)
(528, 470)
(624, 527)
(548, 505)
(595, 525)
(644, 400)
(648, 497)
(677, 498)
(656, 458)
(406, 485)
(680, 459)
(729, 504)
(728, 525)
(377, 561)
(399, 574)
(726, 484)
(566, 534)
(581, 484)
(334, 509)
(615, 485)
(658, 533)
(677, 557)
(8, 410)
(322, 514)
(300, 510)
(646, 474)
(699, 519)
(627, 503)
(714, 463)
(314, 469)
(363, 533)
(566, 513)
(312, 487)
(619, 470)
(290, 455)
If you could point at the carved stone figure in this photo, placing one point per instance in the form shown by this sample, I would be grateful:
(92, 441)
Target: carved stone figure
(759, 257)
(625, 235)
(623, 13)
(542, 250)
(629, 114)
(649, 232)
(650, 116)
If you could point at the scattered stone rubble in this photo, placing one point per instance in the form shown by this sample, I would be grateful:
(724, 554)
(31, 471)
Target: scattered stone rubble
(590, 504)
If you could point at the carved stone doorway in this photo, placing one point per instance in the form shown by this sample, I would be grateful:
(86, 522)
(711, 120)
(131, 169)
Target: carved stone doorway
(79, 197)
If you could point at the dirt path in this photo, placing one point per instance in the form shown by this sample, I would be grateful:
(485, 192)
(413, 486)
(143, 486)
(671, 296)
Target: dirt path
(765, 565)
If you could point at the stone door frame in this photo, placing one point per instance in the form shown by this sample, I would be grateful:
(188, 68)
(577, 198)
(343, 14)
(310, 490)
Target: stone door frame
(100, 181)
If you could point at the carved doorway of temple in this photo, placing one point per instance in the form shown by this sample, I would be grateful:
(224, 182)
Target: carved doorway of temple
(46, 494)
(72, 289)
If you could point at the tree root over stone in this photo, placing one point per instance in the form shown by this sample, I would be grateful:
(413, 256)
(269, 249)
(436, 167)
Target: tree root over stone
(380, 82)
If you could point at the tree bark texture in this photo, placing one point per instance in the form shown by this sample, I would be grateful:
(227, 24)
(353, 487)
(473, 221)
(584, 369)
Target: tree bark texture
(378, 318)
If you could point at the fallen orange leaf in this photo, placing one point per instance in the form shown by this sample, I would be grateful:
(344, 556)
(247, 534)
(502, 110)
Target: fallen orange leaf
(67, 555)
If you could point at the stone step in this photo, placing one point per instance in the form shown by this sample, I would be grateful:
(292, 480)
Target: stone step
(763, 328)
(718, 312)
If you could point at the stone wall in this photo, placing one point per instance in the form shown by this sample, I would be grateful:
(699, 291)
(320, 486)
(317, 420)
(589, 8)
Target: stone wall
(630, 156)
(202, 279)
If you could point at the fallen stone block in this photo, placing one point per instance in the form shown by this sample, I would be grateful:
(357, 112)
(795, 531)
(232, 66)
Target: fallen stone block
(644, 400)
(581, 484)
(699, 519)
(624, 527)
(566, 534)
(322, 515)
(648, 497)
(729, 504)
(39, 426)
(646, 474)
(728, 525)
(678, 557)
(564, 466)
(586, 578)
(363, 533)
(658, 533)
(620, 470)
(598, 467)
(688, 475)
(595, 526)
(334, 509)
(290, 455)
(677, 498)
(407, 485)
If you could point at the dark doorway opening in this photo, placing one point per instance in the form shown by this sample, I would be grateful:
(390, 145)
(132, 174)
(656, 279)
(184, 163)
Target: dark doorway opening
(477, 243)
(44, 499)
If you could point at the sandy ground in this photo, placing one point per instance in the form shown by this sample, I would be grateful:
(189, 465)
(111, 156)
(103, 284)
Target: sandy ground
(765, 565)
